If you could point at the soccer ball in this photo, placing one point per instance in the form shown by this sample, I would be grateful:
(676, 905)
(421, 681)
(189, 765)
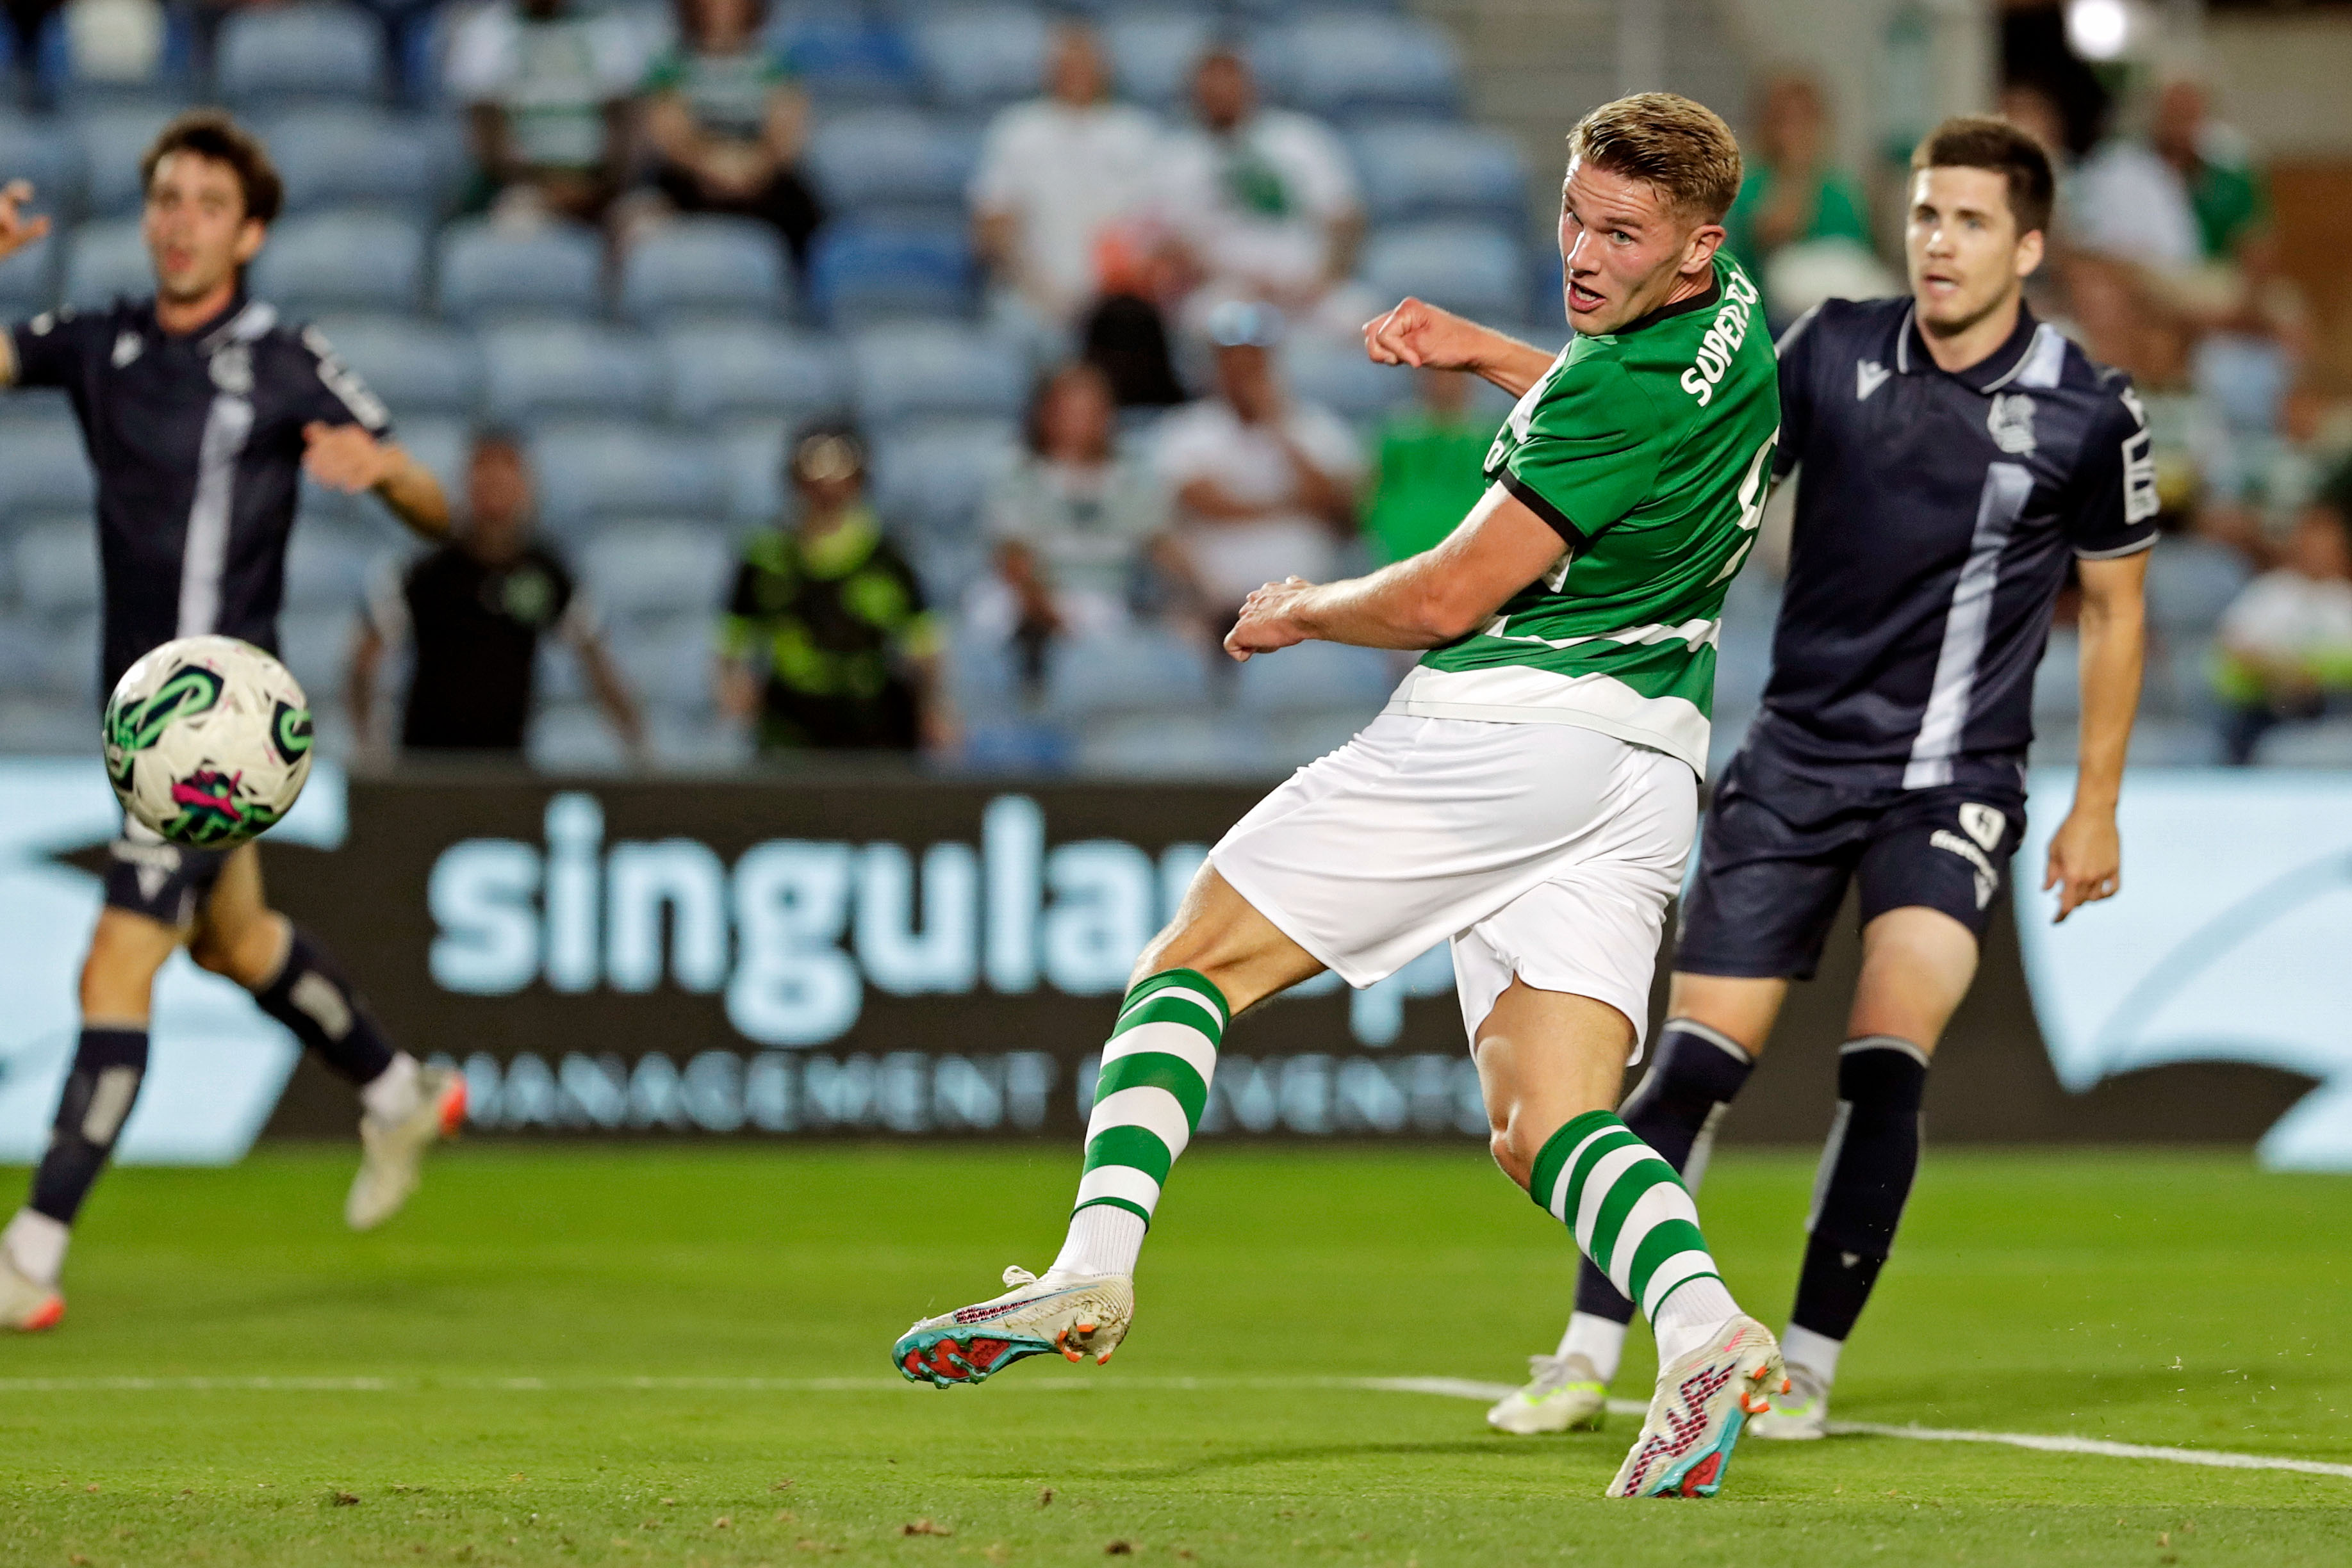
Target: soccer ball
(208, 741)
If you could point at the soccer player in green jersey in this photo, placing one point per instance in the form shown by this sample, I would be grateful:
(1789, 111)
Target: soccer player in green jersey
(1530, 791)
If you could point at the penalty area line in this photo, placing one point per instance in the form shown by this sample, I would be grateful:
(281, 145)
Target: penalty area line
(1441, 1388)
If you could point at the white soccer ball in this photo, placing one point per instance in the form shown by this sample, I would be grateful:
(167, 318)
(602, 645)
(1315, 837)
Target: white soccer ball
(208, 741)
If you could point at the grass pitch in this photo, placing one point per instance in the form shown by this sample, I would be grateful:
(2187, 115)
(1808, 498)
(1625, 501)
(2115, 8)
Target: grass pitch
(464, 1387)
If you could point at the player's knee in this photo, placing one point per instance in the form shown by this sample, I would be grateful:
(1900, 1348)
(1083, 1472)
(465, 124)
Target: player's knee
(249, 953)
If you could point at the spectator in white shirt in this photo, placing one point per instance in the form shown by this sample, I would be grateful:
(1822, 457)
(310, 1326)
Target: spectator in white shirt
(2286, 640)
(1262, 201)
(1264, 485)
(547, 93)
(1057, 175)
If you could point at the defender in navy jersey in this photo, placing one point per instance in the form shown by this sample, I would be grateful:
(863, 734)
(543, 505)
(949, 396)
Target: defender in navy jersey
(201, 409)
(1955, 459)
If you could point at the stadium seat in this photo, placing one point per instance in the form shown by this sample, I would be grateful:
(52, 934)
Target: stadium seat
(1152, 52)
(112, 141)
(573, 739)
(591, 472)
(415, 367)
(348, 260)
(667, 660)
(350, 154)
(977, 58)
(103, 260)
(657, 568)
(704, 267)
(315, 643)
(1171, 746)
(890, 164)
(1342, 378)
(906, 371)
(752, 366)
(866, 271)
(1473, 268)
(931, 479)
(1351, 65)
(1330, 675)
(750, 466)
(2190, 581)
(28, 280)
(110, 64)
(1415, 171)
(534, 370)
(57, 567)
(843, 59)
(47, 154)
(55, 657)
(47, 469)
(327, 566)
(555, 270)
(275, 54)
(442, 444)
(1144, 668)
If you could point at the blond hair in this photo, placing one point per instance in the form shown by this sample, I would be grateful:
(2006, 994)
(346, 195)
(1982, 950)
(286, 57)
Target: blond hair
(1679, 147)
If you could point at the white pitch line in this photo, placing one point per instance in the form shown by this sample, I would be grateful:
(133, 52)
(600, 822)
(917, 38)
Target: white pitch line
(1444, 1387)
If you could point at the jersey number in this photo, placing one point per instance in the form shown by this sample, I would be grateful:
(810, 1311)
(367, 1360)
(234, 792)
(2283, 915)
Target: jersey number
(1754, 491)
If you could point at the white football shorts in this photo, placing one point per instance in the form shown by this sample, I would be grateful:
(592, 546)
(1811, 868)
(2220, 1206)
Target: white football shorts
(1543, 851)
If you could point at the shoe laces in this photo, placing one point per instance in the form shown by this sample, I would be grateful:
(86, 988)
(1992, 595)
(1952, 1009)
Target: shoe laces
(1015, 1276)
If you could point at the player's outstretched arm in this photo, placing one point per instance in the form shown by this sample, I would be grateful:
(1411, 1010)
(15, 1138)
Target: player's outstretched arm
(1426, 601)
(1422, 336)
(17, 232)
(347, 458)
(2087, 853)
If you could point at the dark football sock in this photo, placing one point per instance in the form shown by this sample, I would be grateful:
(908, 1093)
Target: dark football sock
(1674, 1109)
(100, 1088)
(1864, 1180)
(311, 998)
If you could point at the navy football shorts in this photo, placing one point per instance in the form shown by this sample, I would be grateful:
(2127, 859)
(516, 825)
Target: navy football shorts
(1778, 850)
(161, 880)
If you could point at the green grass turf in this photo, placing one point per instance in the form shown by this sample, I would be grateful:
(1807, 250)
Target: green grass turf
(2161, 1298)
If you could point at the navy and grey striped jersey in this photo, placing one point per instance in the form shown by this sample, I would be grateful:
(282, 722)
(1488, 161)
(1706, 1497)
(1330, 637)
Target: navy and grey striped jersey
(1935, 516)
(197, 444)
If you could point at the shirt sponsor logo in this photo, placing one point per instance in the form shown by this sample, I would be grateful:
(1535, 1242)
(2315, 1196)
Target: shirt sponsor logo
(1987, 880)
(1723, 338)
(2011, 421)
(126, 348)
(1869, 375)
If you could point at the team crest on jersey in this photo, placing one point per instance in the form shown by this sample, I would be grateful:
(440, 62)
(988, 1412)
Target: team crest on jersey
(232, 369)
(126, 348)
(1983, 823)
(2011, 420)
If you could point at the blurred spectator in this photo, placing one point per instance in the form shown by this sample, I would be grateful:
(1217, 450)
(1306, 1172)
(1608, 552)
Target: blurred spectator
(826, 641)
(1265, 486)
(114, 41)
(727, 124)
(1057, 176)
(1071, 523)
(406, 24)
(1431, 467)
(25, 19)
(1262, 201)
(2287, 641)
(546, 92)
(473, 610)
(1126, 338)
(2263, 483)
(2188, 193)
(1799, 224)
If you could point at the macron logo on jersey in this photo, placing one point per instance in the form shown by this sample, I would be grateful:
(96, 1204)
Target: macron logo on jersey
(1869, 375)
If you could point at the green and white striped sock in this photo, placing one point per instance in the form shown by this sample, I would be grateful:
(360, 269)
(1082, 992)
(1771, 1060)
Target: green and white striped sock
(1631, 1216)
(1148, 1097)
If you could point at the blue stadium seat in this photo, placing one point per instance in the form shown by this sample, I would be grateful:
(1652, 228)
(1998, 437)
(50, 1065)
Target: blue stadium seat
(327, 566)
(1413, 171)
(1330, 675)
(349, 260)
(104, 259)
(315, 643)
(45, 153)
(28, 279)
(979, 58)
(842, 59)
(1353, 65)
(930, 480)
(569, 740)
(442, 444)
(1342, 378)
(750, 467)
(890, 163)
(415, 367)
(58, 659)
(1473, 268)
(161, 75)
(276, 54)
(866, 271)
(590, 472)
(350, 154)
(1152, 52)
(1179, 746)
(57, 568)
(535, 369)
(557, 270)
(2190, 581)
(1144, 668)
(658, 569)
(704, 267)
(112, 141)
(47, 469)
(667, 660)
(903, 371)
(752, 368)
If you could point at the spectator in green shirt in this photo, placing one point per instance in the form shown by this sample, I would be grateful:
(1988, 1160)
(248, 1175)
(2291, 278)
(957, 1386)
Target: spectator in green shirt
(1793, 195)
(2228, 195)
(727, 123)
(826, 642)
(1430, 471)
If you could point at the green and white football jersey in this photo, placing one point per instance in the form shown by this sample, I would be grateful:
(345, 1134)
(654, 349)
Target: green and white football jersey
(1650, 450)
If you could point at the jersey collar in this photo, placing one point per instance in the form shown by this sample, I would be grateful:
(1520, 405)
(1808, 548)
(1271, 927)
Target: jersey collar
(1706, 299)
(1989, 374)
